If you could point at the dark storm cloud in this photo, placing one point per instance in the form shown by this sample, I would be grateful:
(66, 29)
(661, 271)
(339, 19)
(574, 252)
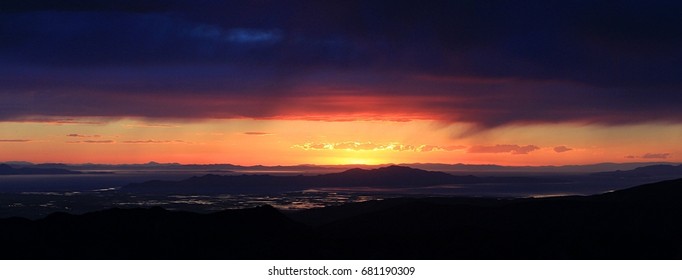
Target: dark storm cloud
(92, 5)
(489, 63)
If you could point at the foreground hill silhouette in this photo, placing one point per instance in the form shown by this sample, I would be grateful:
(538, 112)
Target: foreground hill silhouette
(636, 223)
(385, 177)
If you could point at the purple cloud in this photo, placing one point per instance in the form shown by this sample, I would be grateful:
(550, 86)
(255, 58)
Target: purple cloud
(562, 149)
(656, 156)
(651, 156)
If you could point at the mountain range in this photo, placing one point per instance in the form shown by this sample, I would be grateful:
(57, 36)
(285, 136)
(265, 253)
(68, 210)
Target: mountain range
(659, 170)
(309, 168)
(9, 170)
(390, 177)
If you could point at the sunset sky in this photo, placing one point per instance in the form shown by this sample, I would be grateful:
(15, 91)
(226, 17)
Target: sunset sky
(341, 82)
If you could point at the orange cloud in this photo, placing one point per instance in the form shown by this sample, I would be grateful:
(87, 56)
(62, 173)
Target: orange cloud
(513, 149)
(369, 146)
(429, 148)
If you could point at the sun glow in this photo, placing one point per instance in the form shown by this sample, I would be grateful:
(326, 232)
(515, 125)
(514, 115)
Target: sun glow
(356, 160)
(289, 142)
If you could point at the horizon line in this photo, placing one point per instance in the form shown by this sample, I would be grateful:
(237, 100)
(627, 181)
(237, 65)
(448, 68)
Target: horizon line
(333, 165)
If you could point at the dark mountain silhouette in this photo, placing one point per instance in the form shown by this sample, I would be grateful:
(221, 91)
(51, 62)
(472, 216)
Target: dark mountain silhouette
(395, 177)
(636, 223)
(9, 170)
(391, 176)
(492, 168)
(660, 170)
(319, 169)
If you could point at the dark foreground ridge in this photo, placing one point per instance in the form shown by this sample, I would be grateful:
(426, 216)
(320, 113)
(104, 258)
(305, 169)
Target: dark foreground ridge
(636, 223)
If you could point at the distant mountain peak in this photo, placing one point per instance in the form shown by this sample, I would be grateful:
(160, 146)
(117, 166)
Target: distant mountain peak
(390, 168)
(9, 170)
(397, 167)
(387, 177)
(647, 171)
(354, 170)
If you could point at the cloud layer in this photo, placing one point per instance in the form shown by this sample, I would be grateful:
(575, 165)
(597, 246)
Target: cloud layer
(512, 149)
(487, 63)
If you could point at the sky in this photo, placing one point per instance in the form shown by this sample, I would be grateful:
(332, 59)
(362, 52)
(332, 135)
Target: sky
(341, 82)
